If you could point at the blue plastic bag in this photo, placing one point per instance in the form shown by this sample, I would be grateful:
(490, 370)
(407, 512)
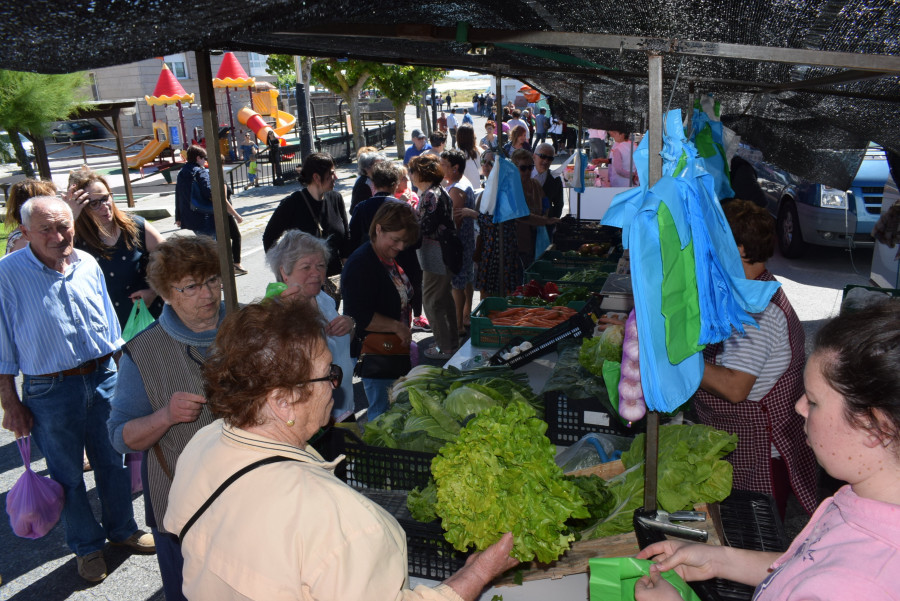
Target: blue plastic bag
(34, 503)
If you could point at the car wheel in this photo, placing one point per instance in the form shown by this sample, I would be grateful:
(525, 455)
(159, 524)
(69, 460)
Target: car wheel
(58, 138)
(790, 240)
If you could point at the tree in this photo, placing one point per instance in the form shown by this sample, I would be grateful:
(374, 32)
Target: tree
(401, 85)
(346, 79)
(282, 67)
(30, 102)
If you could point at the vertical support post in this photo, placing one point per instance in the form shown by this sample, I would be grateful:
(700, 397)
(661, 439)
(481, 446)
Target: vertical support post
(303, 117)
(433, 105)
(651, 451)
(216, 177)
(498, 113)
(497, 166)
(579, 143)
(123, 160)
(184, 140)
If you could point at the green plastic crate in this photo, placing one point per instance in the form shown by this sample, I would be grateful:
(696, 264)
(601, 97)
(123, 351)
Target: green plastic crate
(485, 333)
(558, 258)
(544, 271)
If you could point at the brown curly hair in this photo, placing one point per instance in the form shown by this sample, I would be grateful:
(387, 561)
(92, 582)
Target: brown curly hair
(753, 228)
(427, 168)
(179, 257)
(258, 349)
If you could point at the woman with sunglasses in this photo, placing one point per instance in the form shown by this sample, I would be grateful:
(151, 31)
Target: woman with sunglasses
(300, 261)
(159, 402)
(121, 243)
(534, 198)
(289, 529)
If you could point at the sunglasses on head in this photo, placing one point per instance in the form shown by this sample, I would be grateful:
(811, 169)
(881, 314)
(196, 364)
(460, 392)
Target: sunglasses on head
(334, 377)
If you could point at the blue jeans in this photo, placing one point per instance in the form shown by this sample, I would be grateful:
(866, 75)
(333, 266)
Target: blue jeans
(70, 414)
(171, 564)
(377, 393)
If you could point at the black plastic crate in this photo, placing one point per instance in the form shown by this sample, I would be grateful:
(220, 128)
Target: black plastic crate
(568, 419)
(428, 554)
(749, 521)
(385, 476)
(368, 466)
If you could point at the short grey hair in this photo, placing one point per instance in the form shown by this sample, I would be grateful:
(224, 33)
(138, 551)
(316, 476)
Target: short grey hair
(293, 246)
(545, 146)
(28, 208)
(367, 159)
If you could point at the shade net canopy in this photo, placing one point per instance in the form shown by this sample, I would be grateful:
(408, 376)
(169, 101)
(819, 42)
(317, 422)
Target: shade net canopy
(807, 116)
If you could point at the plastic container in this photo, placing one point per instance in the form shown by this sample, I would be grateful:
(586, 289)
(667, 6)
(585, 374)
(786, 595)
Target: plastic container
(593, 449)
(484, 333)
(568, 419)
(544, 272)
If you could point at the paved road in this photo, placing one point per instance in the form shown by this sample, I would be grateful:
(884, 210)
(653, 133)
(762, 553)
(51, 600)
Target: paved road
(44, 570)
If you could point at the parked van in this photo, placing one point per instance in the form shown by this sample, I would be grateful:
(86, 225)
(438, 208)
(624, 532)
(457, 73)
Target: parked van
(809, 213)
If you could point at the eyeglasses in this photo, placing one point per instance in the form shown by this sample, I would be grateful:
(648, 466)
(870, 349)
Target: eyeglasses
(213, 283)
(335, 376)
(524, 168)
(95, 203)
(546, 157)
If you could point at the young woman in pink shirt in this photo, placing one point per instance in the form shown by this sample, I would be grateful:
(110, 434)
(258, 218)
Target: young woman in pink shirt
(851, 547)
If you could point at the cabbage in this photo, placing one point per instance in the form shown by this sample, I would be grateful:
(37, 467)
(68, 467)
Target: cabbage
(606, 347)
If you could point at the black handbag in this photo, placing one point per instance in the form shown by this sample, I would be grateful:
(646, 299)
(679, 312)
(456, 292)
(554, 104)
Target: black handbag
(448, 238)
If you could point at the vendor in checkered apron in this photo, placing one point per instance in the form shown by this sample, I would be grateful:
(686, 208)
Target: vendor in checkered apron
(751, 382)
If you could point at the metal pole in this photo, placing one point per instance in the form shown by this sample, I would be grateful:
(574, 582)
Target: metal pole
(216, 178)
(433, 105)
(184, 140)
(230, 122)
(500, 245)
(651, 451)
(303, 117)
(578, 176)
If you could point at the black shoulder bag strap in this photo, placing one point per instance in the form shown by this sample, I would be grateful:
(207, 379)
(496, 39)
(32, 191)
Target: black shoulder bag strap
(223, 486)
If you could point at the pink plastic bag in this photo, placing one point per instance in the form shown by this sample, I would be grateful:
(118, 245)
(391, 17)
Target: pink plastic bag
(133, 463)
(34, 503)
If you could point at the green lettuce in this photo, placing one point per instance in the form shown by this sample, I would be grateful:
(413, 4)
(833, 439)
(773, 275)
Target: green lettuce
(499, 475)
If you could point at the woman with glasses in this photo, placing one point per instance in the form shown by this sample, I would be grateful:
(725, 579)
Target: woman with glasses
(159, 402)
(121, 243)
(300, 260)
(20, 192)
(289, 529)
(534, 196)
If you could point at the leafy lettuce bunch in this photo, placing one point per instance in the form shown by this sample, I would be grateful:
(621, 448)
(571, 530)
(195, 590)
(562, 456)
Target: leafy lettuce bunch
(606, 347)
(499, 476)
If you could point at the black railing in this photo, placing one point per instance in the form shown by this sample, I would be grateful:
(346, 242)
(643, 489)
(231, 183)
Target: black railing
(339, 147)
(381, 136)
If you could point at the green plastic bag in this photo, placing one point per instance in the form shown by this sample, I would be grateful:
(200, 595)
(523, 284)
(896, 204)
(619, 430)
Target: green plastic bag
(613, 579)
(138, 321)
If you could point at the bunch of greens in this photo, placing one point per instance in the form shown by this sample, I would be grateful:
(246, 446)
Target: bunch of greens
(691, 470)
(574, 380)
(589, 274)
(606, 347)
(499, 476)
(432, 404)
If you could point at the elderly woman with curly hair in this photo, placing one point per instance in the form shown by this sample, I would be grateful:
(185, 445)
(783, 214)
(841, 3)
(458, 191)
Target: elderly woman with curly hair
(159, 404)
(287, 528)
(300, 260)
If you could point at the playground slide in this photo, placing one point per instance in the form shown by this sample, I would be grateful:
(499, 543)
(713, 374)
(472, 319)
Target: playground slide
(266, 103)
(149, 152)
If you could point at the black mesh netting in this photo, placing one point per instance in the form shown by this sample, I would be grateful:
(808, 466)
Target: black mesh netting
(814, 132)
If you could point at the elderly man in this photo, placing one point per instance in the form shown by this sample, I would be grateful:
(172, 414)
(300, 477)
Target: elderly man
(552, 185)
(419, 145)
(58, 326)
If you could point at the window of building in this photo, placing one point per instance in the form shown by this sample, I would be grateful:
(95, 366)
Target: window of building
(177, 64)
(257, 64)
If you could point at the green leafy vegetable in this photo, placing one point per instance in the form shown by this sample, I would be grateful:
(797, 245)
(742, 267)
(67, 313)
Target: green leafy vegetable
(421, 503)
(606, 347)
(498, 476)
(585, 275)
(691, 470)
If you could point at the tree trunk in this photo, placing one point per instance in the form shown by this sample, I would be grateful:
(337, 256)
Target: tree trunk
(21, 155)
(359, 138)
(400, 119)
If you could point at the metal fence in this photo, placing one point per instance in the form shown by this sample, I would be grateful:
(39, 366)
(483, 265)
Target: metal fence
(381, 136)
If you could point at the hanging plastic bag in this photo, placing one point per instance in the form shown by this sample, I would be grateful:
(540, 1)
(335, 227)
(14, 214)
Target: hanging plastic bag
(133, 462)
(541, 241)
(34, 503)
(138, 321)
(613, 579)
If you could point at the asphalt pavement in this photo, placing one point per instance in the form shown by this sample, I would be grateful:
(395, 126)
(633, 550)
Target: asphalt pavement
(44, 569)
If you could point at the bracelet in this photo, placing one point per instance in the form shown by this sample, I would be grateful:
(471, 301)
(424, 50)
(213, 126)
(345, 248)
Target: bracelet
(353, 322)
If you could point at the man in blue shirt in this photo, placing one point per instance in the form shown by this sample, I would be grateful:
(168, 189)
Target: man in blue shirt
(419, 145)
(58, 326)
